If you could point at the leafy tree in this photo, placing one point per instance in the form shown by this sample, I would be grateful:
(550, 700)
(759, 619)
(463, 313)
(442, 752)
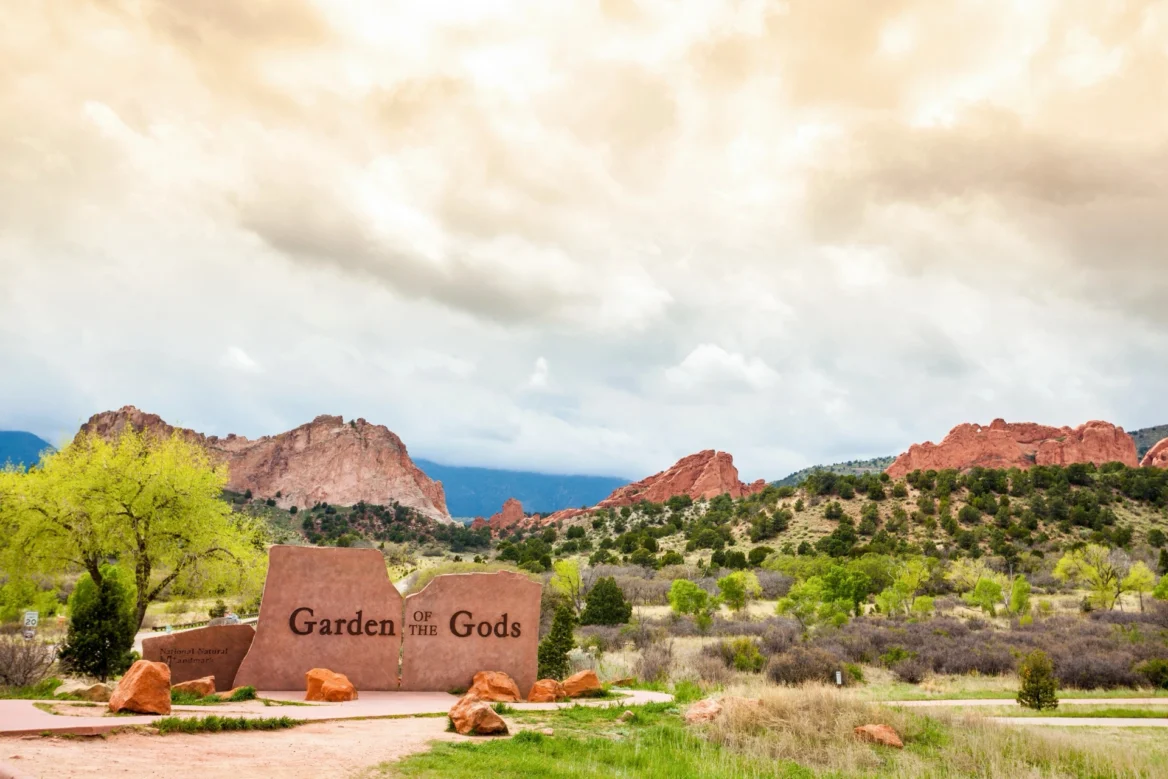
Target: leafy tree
(736, 560)
(807, 602)
(1019, 595)
(900, 595)
(1162, 563)
(685, 597)
(1039, 688)
(606, 604)
(986, 595)
(672, 558)
(554, 649)
(1099, 569)
(846, 585)
(565, 580)
(758, 554)
(964, 573)
(152, 504)
(102, 624)
(1156, 537)
(1161, 591)
(739, 588)
(1139, 580)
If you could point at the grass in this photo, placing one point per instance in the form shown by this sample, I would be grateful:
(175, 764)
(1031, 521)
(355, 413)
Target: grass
(803, 732)
(184, 698)
(1077, 712)
(42, 690)
(215, 724)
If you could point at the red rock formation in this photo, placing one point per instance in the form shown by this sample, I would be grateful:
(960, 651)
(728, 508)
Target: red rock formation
(325, 460)
(706, 474)
(1021, 445)
(1157, 456)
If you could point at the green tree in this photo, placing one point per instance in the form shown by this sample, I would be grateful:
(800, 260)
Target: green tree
(1020, 595)
(986, 595)
(900, 595)
(554, 649)
(685, 597)
(738, 589)
(565, 580)
(1039, 689)
(606, 604)
(1139, 580)
(758, 555)
(807, 602)
(152, 504)
(102, 624)
(1097, 568)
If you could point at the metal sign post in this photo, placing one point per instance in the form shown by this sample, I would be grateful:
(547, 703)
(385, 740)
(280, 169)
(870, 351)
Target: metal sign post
(31, 619)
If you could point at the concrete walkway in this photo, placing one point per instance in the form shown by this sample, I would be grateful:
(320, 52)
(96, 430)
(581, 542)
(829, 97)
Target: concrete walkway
(21, 718)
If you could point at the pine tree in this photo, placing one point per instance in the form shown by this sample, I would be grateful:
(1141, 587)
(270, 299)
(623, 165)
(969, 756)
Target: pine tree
(1039, 686)
(102, 624)
(606, 604)
(554, 649)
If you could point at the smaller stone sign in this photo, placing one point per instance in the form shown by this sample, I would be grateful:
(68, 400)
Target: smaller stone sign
(211, 651)
(460, 624)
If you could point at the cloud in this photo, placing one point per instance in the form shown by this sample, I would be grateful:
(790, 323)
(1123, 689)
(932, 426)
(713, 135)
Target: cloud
(794, 231)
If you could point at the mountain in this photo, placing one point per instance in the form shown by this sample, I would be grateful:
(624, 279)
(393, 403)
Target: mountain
(21, 449)
(1147, 438)
(849, 468)
(478, 492)
(326, 460)
(1019, 445)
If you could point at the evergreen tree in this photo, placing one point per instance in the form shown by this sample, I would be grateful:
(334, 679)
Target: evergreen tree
(554, 649)
(1039, 687)
(606, 604)
(102, 623)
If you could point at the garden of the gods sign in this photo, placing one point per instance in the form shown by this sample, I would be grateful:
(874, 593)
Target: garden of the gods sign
(337, 609)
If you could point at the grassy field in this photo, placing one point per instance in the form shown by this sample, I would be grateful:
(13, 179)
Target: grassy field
(792, 733)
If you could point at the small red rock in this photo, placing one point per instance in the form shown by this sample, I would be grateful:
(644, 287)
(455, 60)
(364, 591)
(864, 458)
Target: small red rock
(145, 689)
(879, 734)
(703, 711)
(201, 687)
(583, 683)
(546, 691)
(325, 685)
(471, 716)
(494, 686)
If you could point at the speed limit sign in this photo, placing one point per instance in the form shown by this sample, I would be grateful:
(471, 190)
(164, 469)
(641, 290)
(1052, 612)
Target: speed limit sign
(31, 618)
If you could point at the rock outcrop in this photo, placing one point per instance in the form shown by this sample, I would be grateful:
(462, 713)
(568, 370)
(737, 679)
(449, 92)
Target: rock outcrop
(583, 684)
(202, 687)
(473, 717)
(1157, 456)
(327, 460)
(145, 689)
(706, 474)
(546, 691)
(510, 516)
(1018, 445)
(325, 685)
(879, 734)
(494, 686)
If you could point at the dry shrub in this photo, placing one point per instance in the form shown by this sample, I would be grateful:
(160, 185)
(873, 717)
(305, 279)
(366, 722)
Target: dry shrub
(24, 663)
(802, 664)
(644, 634)
(774, 585)
(655, 662)
(606, 638)
(912, 670)
(710, 670)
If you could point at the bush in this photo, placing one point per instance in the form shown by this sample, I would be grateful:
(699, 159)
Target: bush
(554, 649)
(911, 670)
(218, 610)
(606, 604)
(803, 664)
(1096, 671)
(1038, 690)
(24, 663)
(1155, 671)
(744, 655)
(102, 624)
(655, 662)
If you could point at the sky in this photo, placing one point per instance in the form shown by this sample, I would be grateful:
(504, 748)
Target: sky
(586, 237)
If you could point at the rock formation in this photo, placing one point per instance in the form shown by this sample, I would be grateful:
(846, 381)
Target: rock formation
(325, 460)
(1020, 445)
(508, 517)
(706, 474)
(144, 689)
(1157, 456)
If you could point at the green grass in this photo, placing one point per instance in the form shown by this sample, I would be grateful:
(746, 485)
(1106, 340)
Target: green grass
(184, 698)
(1082, 712)
(216, 724)
(908, 692)
(42, 690)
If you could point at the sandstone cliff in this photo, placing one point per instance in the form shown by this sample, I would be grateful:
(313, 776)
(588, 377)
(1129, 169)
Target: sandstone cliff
(511, 515)
(1021, 445)
(706, 474)
(1157, 456)
(324, 460)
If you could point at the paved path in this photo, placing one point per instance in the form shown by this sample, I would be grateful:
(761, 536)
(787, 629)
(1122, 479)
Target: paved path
(1084, 722)
(1012, 702)
(18, 718)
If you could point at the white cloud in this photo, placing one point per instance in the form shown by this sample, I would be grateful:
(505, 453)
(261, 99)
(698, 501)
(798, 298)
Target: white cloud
(709, 365)
(240, 360)
(539, 375)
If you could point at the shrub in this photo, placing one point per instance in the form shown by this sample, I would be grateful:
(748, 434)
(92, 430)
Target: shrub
(102, 624)
(911, 670)
(1155, 671)
(745, 655)
(1038, 689)
(24, 663)
(655, 662)
(803, 664)
(218, 610)
(711, 669)
(554, 648)
(217, 724)
(1096, 670)
(606, 604)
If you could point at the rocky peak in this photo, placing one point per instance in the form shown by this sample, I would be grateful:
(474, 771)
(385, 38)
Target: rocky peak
(507, 517)
(323, 460)
(1008, 445)
(1157, 456)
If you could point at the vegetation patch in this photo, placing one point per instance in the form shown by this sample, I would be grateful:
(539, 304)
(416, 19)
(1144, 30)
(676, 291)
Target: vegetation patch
(216, 724)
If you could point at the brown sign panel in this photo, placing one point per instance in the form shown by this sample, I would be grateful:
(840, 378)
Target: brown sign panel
(211, 651)
(460, 624)
(325, 608)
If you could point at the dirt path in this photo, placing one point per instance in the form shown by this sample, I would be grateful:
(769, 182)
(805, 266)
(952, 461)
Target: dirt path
(1011, 701)
(341, 749)
(1084, 722)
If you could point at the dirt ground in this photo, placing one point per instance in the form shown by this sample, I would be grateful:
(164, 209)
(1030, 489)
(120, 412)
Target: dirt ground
(335, 749)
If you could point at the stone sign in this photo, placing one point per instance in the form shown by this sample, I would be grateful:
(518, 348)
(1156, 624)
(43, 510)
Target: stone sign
(325, 608)
(460, 624)
(211, 651)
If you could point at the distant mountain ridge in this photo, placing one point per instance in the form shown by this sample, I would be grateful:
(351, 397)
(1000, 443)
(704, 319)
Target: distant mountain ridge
(20, 448)
(479, 492)
(1148, 437)
(849, 468)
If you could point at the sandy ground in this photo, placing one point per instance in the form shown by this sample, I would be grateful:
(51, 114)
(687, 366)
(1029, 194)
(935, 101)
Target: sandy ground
(342, 749)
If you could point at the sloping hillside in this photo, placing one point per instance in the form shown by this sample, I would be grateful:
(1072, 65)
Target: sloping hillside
(850, 468)
(1148, 437)
(21, 449)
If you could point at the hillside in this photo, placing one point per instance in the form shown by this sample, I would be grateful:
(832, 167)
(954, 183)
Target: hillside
(479, 492)
(1148, 437)
(849, 468)
(21, 449)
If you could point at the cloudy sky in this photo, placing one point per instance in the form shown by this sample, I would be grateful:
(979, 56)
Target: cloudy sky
(586, 236)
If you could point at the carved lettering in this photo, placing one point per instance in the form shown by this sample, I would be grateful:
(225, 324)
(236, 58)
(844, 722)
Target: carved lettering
(308, 626)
